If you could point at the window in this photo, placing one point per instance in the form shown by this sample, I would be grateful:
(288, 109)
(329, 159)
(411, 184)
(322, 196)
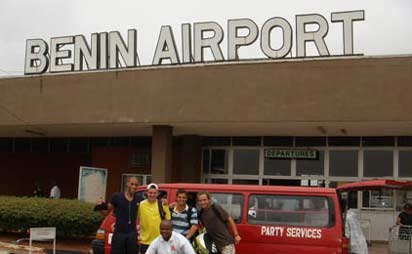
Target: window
(405, 141)
(344, 141)
(378, 141)
(218, 181)
(22, 145)
(6, 144)
(277, 167)
(310, 141)
(343, 163)
(246, 161)
(206, 161)
(141, 141)
(79, 145)
(119, 141)
(232, 203)
(40, 145)
(215, 161)
(219, 162)
(311, 167)
(303, 211)
(377, 163)
(216, 141)
(246, 141)
(245, 181)
(58, 145)
(278, 141)
(405, 163)
(377, 199)
(99, 141)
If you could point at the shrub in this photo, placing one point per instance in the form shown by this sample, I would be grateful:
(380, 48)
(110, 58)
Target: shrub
(70, 217)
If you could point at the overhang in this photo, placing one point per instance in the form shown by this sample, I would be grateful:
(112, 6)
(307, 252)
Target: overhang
(350, 96)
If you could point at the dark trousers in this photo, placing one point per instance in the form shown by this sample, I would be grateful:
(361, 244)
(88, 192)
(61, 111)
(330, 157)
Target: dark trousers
(124, 243)
(143, 248)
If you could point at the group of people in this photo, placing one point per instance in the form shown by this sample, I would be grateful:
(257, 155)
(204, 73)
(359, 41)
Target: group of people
(164, 228)
(54, 190)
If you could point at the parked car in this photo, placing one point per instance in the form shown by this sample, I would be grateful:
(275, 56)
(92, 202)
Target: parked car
(270, 219)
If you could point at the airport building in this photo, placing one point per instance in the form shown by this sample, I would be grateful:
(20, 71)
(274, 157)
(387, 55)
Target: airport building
(305, 121)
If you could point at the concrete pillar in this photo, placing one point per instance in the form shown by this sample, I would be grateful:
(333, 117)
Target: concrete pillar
(190, 157)
(162, 145)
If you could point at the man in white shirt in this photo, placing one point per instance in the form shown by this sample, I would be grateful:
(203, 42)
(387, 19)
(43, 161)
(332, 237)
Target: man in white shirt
(170, 242)
(55, 191)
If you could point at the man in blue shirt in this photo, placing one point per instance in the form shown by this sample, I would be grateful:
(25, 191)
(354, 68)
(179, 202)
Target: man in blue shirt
(124, 207)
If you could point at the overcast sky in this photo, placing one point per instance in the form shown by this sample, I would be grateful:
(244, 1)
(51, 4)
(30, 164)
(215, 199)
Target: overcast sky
(386, 29)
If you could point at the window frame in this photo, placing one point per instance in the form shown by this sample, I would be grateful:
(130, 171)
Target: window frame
(331, 206)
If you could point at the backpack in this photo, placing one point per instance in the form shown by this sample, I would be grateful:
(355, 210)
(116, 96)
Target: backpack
(215, 210)
(161, 210)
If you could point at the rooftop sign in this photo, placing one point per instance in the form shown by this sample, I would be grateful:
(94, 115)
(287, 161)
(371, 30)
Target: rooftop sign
(104, 50)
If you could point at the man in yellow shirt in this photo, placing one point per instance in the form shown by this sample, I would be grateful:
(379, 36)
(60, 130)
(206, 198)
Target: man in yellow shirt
(151, 214)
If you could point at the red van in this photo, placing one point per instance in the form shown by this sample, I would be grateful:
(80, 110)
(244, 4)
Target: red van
(270, 219)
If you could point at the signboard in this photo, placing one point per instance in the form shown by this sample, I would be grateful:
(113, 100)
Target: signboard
(92, 184)
(303, 154)
(105, 49)
(42, 234)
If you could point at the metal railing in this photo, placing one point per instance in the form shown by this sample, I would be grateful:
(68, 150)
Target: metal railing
(400, 240)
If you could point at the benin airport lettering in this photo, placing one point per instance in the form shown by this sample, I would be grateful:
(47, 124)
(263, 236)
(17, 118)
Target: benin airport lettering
(104, 50)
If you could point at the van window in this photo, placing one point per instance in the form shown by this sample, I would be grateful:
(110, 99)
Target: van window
(231, 202)
(291, 210)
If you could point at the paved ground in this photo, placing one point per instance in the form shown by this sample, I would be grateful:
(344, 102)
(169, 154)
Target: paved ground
(378, 248)
(66, 246)
(83, 246)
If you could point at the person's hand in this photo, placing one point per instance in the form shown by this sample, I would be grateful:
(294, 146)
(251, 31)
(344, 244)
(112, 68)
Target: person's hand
(164, 201)
(172, 205)
(237, 239)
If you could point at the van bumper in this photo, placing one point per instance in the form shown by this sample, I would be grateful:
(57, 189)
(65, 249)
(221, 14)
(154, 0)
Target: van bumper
(98, 246)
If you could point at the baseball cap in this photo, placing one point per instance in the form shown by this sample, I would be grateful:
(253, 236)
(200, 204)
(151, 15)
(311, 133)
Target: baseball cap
(152, 186)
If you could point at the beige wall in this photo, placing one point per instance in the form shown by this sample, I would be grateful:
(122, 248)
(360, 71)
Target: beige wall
(364, 96)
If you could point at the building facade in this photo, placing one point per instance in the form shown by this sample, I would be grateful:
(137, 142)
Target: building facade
(217, 123)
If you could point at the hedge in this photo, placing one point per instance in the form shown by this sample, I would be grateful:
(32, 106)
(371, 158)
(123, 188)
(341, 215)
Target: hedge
(70, 217)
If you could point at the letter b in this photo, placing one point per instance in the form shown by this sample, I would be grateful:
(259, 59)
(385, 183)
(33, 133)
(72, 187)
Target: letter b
(36, 61)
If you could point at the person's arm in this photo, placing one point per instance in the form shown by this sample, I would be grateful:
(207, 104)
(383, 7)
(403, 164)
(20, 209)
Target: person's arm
(191, 232)
(102, 207)
(398, 221)
(233, 228)
(194, 221)
(168, 216)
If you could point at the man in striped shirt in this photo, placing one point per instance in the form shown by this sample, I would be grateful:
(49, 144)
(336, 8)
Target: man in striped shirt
(184, 217)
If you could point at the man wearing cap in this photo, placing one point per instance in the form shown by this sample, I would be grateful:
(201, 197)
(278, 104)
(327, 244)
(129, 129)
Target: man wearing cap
(151, 213)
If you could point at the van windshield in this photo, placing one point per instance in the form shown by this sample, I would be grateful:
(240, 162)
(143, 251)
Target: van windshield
(308, 211)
